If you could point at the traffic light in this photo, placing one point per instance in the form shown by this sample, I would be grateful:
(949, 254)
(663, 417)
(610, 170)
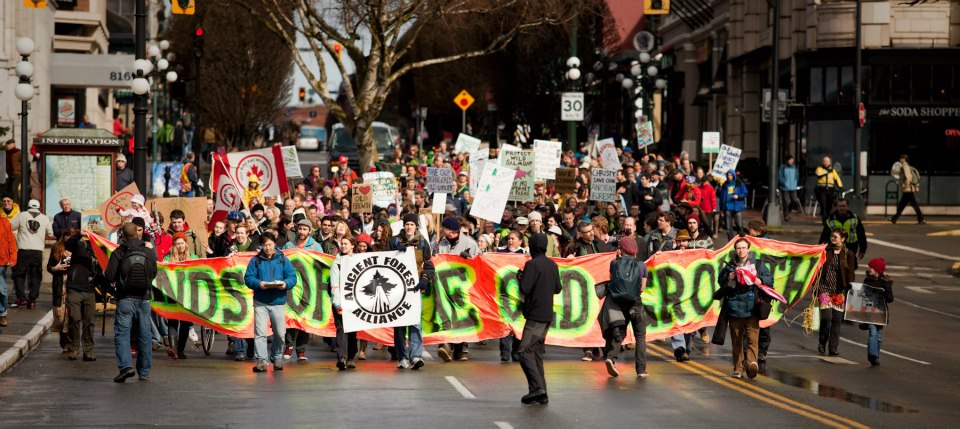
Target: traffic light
(198, 42)
(656, 7)
(303, 94)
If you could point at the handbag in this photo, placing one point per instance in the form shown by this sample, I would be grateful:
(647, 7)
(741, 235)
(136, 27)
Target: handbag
(762, 307)
(60, 314)
(720, 331)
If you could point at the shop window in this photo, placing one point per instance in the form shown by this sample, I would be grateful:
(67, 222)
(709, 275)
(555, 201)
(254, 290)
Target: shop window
(879, 84)
(816, 85)
(846, 85)
(900, 87)
(942, 85)
(830, 86)
(920, 87)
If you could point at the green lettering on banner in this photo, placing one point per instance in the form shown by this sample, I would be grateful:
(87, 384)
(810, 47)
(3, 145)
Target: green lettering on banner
(575, 304)
(454, 310)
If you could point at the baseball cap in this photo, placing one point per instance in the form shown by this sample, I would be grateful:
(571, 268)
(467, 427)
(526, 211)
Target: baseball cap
(33, 204)
(535, 216)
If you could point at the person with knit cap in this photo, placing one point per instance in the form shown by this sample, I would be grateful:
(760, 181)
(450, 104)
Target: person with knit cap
(409, 237)
(452, 242)
(880, 283)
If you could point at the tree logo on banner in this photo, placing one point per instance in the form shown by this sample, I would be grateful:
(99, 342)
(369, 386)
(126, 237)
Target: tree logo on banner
(257, 165)
(379, 284)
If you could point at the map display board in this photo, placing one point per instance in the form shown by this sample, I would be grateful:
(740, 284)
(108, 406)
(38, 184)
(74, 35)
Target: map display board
(86, 179)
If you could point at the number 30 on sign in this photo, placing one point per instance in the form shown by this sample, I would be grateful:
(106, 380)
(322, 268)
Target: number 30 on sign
(571, 106)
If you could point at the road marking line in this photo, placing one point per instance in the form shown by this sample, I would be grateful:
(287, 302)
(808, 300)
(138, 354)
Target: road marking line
(756, 392)
(460, 387)
(904, 267)
(837, 360)
(927, 308)
(915, 250)
(920, 289)
(426, 355)
(503, 425)
(885, 352)
(950, 233)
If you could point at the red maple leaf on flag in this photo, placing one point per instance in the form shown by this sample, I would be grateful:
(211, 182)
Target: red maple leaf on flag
(255, 170)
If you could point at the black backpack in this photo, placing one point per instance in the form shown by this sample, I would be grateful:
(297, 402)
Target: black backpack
(625, 280)
(134, 277)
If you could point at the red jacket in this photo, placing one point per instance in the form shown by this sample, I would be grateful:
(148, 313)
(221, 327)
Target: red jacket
(708, 197)
(8, 243)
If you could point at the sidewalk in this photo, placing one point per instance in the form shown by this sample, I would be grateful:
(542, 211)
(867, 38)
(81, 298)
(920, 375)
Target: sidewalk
(26, 327)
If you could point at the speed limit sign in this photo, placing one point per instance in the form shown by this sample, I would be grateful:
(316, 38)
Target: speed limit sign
(571, 106)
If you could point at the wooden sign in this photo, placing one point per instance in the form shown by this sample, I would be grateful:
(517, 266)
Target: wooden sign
(566, 182)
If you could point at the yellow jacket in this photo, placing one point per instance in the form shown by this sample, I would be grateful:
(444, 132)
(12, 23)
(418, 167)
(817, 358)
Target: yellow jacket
(828, 178)
(13, 213)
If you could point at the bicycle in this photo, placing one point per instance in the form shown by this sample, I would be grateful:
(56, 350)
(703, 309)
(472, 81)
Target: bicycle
(207, 337)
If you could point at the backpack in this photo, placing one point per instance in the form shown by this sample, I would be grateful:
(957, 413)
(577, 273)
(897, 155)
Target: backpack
(134, 277)
(625, 280)
(32, 224)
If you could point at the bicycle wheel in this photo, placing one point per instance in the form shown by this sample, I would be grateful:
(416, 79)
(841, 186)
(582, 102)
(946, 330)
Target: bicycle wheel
(206, 339)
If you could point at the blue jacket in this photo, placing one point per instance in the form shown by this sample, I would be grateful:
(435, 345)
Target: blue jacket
(276, 268)
(310, 244)
(741, 298)
(728, 190)
(789, 177)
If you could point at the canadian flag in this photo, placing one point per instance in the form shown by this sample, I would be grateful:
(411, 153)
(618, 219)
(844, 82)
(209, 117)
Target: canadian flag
(747, 275)
(228, 197)
(266, 164)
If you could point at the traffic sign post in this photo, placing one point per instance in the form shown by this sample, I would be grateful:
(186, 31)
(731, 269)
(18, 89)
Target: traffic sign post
(571, 106)
(463, 100)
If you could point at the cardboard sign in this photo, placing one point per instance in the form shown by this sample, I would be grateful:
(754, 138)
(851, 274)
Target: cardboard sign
(195, 213)
(439, 203)
(727, 159)
(291, 162)
(644, 135)
(711, 142)
(566, 182)
(380, 290)
(608, 154)
(547, 154)
(482, 153)
(492, 192)
(466, 144)
(440, 180)
(523, 162)
(362, 198)
(603, 184)
(121, 200)
(865, 304)
(384, 187)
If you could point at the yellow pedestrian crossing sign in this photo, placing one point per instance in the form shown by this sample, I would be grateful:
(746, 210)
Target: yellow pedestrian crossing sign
(37, 4)
(463, 100)
(183, 7)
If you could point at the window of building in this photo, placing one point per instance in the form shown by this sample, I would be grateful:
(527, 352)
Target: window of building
(846, 85)
(879, 84)
(900, 83)
(941, 83)
(920, 83)
(830, 85)
(816, 85)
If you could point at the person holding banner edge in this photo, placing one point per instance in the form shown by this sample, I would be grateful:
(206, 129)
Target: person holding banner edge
(741, 303)
(346, 342)
(296, 339)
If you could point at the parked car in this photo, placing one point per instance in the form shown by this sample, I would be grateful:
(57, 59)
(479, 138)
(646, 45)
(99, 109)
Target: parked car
(311, 137)
(342, 143)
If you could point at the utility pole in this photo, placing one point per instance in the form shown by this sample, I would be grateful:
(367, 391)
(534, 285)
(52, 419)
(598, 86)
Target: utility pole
(857, 204)
(773, 204)
(140, 104)
(572, 125)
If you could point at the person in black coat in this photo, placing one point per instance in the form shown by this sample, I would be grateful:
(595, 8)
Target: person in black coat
(539, 281)
(68, 218)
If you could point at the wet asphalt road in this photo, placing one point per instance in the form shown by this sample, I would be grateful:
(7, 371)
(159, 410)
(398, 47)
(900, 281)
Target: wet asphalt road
(915, 388)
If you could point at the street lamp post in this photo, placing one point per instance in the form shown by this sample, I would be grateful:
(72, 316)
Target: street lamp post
(572, 74)
(773, 204)
(140, 87)
(647, 81)
(24, 93)
(155, 52)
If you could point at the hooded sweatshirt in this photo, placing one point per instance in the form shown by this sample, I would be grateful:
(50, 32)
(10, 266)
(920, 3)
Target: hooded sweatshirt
(539, 281)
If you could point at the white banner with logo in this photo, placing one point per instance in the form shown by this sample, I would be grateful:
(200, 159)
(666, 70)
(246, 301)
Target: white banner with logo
(267, 164)
(378, 290)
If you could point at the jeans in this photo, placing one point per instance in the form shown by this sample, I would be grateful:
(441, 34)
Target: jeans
(346, 341)
(509, 348)
(26, 274)
(764, 343)
(275, 315)
(830, 321)
(531, 354)
(81, 308)
(874, 340)
(615, 339)
(133, 312)
(733, 218)
(404, 351)
(682, 340)
(181, 330)
(4, 298)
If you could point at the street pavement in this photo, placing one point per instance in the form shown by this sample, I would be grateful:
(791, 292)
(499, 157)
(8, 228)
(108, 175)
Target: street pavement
(913, 387)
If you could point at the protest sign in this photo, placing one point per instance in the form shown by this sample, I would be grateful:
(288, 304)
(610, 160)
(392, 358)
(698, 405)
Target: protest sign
(492, 192)
(608, 154)
(228, 197)
(379, 290)
(482, 153)
(603, 184)
(361, 198)
(523, 162)
(121, 200)
(466, 144)
(711, 142)
(478, 299)
(267, 164)
(644, 134)
(439, 203)
(507, 147)
(566, 182)
(866, 304)
(476, 170)
(547, 158)
(440, 180)
(384, 187)
(727, 160)
(291, 161)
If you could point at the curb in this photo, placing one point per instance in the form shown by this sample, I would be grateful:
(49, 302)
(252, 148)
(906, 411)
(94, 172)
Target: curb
(955, 270)
(26, 344)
